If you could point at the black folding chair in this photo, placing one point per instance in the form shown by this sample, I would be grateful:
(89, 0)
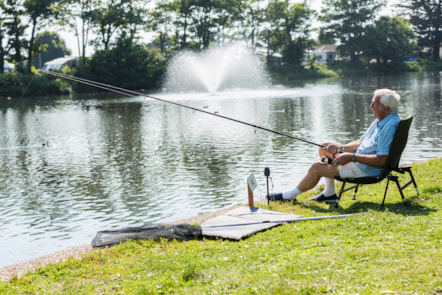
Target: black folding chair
(392, 165)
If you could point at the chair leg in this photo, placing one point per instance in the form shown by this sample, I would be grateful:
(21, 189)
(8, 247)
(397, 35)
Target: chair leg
(400, 191)
(355, 192)
(411, 181)
(407, 169)
(342, 190)
(385, 193)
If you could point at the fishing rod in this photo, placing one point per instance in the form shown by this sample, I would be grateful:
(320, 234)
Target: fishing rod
(132, 93)
(280, 220)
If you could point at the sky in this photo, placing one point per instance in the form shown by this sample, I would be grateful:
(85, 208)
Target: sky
(71, 41)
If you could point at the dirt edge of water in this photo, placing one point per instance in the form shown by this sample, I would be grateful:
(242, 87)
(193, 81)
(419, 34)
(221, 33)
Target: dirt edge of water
(7, 273)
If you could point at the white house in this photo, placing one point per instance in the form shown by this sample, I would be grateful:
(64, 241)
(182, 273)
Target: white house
(326, 54)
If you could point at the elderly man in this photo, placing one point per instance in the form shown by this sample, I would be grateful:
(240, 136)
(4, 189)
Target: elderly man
(364, 157)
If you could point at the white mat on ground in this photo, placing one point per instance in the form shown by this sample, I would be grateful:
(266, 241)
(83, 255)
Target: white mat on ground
(244, 221)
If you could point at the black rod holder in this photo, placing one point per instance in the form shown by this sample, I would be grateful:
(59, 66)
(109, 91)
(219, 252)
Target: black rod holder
(267, 174)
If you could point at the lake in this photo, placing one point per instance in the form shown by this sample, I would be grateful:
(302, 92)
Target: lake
(74, 165)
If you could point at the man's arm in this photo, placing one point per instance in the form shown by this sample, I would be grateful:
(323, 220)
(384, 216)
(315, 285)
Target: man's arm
(335, 148)
(351, 147)
(370, 160)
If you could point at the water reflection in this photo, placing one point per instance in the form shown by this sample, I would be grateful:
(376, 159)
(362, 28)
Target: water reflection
(72, 167)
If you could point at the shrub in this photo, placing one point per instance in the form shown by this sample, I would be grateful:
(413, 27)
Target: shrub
(128, 66)
(17, 84)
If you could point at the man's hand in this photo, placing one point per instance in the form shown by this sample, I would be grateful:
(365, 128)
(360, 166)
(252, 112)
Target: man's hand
(334, 149)
(342, 159)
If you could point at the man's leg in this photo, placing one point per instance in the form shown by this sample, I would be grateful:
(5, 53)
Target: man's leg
(314, 174)
(316, 171)
(329, 189)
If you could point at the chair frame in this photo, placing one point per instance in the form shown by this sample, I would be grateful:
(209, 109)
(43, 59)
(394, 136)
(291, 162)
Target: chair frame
(392, 165)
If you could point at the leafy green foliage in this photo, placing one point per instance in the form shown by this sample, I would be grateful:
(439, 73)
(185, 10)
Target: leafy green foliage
(389, 42)
(39, 13)
(426, 17)
(287, 30)
(346, 21)
(391, 251)
(114, 18)
(16, 85)
(279, 29)
(128, 65)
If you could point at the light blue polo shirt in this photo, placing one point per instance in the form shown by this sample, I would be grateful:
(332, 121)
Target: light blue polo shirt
(377, 141)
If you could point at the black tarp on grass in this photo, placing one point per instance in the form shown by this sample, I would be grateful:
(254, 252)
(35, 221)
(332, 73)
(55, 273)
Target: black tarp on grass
(235, 224)
(174, 232)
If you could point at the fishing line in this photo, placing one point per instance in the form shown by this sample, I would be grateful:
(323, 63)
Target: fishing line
(134, 93)
(24, 91)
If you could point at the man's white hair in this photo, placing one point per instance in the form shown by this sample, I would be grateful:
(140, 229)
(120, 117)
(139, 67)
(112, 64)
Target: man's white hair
(389, 98)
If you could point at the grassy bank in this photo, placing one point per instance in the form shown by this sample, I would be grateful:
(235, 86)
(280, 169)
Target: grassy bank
(394, 251)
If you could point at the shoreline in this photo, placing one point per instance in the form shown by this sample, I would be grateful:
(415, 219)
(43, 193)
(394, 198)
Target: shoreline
(16, 270)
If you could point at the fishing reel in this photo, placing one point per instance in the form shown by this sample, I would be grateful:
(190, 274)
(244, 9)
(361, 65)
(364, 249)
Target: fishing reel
(326, 160)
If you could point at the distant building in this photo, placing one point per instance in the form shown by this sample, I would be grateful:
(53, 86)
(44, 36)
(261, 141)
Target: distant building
(429, 50)
(8, 67)
(59, 63)
(326, 53)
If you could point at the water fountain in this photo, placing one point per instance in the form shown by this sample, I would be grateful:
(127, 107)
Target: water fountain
(228, 67)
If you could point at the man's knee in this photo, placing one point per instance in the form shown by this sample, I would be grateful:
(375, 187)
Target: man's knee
(315, 168)
(319, 169)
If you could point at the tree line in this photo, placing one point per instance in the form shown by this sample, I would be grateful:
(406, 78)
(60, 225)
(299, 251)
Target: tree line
(271, 28)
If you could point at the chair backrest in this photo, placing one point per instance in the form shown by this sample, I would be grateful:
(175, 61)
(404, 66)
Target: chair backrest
(398, 144)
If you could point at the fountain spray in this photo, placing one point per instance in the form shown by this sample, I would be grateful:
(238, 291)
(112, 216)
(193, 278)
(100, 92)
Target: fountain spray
(231, 66)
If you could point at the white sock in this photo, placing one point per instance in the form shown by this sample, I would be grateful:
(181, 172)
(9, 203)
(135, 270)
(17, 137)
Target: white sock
(329, 189)
(291, 194)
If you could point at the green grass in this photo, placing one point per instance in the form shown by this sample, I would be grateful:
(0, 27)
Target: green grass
(393, 251)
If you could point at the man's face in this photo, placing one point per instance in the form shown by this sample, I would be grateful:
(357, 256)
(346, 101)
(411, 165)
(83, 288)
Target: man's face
(379, 110)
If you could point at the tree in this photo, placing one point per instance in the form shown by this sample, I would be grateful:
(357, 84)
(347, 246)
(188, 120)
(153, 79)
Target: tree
(160, 21)
(272, 33)
(346, 21)
(229, 16)
(297, 33)
(389, 40)
(15, 30)
(287, 29)
(126, 65)
(52, 46)
(39, 12)
(197, 24)
(251, 21)
(426, 17)
(3, 47)
(204, 22)
(116, 16)
(182, 10)
(78, 15)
